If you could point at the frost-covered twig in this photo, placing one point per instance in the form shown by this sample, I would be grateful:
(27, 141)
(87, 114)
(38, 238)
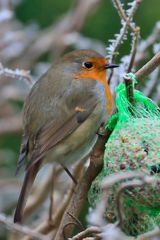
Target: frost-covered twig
(121, 12)
(17, 73)
(7, 222)
(112, 50)
(135, 41)
(133, 8)
(115, 44)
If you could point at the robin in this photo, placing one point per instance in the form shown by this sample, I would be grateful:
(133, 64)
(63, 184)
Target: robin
(62, 115)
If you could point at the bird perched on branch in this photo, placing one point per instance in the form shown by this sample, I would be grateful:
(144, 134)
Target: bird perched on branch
(62, 115)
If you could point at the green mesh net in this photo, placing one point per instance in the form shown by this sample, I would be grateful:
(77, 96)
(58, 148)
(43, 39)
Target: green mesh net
(133, 145)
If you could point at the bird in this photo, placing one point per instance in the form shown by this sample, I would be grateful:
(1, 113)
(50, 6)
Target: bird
(62, 114)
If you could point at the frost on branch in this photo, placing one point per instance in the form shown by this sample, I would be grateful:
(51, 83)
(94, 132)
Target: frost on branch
(17, 73)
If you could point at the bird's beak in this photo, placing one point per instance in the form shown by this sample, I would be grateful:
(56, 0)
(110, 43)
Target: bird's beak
(111, 65)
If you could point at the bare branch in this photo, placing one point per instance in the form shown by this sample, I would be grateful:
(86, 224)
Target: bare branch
(46, 227)
(115, 44)
(91, 231)
(145, 44)
(154, 234)
(113, 232)
(39, 194)
(152, 84)
(129, 184)
(122, 14)
(135, 41)
(120, 177)
(121, 35)
(96, 217)
(148, 67)
(20, 229)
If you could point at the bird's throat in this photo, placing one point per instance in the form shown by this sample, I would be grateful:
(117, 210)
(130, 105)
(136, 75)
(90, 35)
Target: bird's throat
(99, 76)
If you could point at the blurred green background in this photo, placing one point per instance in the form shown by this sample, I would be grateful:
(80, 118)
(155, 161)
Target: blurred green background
(102, 23)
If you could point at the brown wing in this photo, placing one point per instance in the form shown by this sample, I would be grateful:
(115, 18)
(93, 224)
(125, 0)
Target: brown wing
(47, 137)
(23, 153)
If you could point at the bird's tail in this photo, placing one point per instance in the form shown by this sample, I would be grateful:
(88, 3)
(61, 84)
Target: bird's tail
(26, 187)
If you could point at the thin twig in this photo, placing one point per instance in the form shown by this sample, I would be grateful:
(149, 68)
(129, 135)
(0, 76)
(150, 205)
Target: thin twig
(40, 194)
(87, 232)
(69, 224)
(122, 14)
(142, 181)
(7, 222)
(135, 41)
(96, 217)
(76, 220)
(45, 227)
(152, 83)
(154, 234)
(123, 30)
(145, 44)
(148, 67)
(113, 48)
(120, 177)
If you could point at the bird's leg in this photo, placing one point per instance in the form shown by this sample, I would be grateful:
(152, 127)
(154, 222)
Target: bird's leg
(69, 174)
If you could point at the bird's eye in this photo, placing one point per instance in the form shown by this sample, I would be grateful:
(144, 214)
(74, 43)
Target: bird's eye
(87, 65)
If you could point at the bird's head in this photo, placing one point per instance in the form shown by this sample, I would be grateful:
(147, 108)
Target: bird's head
(89, 64)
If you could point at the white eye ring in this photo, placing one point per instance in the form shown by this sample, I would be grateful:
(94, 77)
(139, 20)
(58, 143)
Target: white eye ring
(87, 65)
